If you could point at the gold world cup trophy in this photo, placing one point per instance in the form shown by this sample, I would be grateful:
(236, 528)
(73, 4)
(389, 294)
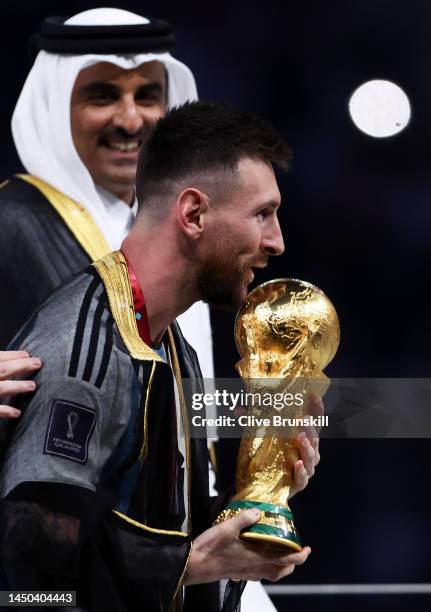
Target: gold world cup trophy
(287, 331)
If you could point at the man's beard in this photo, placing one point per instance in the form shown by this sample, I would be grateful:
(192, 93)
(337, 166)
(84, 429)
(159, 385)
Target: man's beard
(221, 281)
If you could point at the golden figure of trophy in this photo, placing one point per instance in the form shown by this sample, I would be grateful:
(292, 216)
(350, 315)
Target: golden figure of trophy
(287, 331)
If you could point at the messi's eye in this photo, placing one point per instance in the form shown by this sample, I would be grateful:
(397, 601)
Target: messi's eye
(260, 216)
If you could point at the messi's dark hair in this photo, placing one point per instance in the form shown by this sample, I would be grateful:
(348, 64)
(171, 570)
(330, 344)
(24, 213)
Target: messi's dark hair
(201, 138)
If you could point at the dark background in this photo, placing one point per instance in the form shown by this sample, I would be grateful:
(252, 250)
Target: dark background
(356, 219)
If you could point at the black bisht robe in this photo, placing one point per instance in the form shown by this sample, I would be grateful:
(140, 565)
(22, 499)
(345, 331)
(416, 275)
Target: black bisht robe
(38, 253)
(55, 535)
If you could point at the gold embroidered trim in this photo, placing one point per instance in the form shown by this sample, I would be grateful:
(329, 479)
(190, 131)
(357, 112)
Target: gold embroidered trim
(76, 217)
(181, 580)
(213, 456)
(184, 420)
(114, 274)
(112, 269)
(151, 529)
(144, 449)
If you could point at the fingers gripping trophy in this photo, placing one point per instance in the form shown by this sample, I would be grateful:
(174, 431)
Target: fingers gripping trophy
(287, 331)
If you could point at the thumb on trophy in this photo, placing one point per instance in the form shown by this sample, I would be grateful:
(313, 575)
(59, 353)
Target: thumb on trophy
(245, 519)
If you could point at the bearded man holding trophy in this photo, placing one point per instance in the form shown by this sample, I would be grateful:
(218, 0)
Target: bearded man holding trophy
(208, 216)
(287, 331)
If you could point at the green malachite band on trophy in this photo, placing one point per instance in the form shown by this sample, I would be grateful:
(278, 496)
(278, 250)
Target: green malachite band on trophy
(274, 531)
(244, 504)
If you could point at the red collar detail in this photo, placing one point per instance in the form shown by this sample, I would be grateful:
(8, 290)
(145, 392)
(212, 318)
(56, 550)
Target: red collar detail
(139, 306)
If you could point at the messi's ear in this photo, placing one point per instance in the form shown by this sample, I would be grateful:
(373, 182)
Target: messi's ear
(191, 207)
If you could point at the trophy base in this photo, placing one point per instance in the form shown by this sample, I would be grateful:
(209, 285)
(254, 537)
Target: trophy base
(275, 528)
(271, 541)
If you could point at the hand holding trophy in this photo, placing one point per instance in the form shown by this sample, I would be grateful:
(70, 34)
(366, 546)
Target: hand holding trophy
(287, 331)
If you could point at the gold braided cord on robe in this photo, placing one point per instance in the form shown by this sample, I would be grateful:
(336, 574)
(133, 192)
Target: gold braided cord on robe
(76, 217)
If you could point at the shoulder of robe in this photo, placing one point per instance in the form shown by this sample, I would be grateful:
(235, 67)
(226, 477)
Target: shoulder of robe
(18, 197)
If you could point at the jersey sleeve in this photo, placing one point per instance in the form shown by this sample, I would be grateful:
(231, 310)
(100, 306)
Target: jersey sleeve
(59, 438)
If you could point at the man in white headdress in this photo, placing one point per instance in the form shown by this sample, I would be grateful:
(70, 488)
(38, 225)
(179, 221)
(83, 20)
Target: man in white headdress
(99, 82)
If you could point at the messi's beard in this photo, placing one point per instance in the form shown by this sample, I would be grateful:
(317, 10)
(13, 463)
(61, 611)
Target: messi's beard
(221, 281)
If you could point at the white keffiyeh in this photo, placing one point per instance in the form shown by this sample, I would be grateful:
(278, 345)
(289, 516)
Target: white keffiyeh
(42, 134)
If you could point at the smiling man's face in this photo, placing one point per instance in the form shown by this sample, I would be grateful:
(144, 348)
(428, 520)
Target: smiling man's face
(112, 110)
(242, 233)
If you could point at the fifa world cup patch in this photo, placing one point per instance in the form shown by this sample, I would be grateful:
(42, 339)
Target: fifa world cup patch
(69, 430)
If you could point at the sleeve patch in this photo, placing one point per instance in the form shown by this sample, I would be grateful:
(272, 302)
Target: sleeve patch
(69, 430)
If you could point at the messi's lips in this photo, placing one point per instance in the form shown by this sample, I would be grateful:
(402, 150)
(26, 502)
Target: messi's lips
(249, 273)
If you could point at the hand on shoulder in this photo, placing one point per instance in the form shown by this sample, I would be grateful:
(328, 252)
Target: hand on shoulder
(15, 366)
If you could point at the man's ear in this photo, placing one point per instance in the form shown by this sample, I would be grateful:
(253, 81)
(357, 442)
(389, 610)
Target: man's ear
(191, 206)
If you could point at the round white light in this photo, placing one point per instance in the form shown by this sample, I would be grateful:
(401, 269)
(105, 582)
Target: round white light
(380, 108)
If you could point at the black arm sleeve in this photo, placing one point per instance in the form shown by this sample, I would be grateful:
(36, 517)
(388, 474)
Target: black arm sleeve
(111, 563)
